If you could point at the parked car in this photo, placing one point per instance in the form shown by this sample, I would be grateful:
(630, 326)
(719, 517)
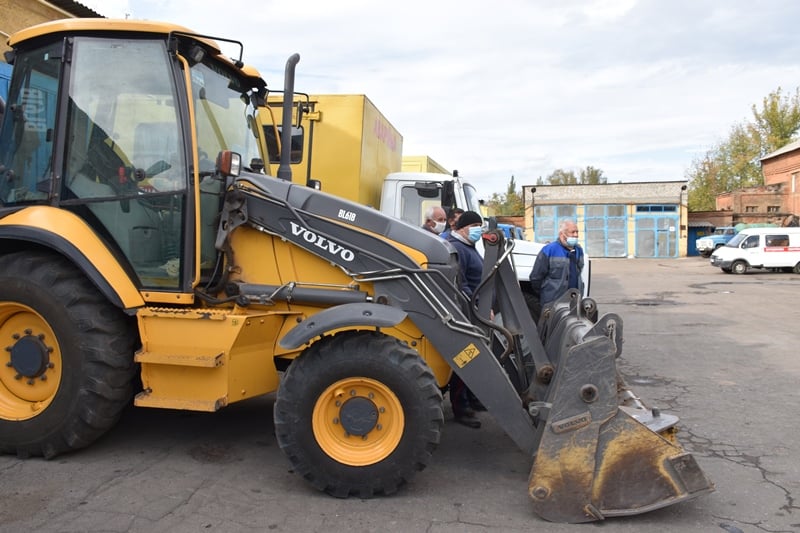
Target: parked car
(706, 245)
(512, 231)
(775, 248)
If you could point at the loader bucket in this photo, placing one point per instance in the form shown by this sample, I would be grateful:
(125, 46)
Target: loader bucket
(601, 453)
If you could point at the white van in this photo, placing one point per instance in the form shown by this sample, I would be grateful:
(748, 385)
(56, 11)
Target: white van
(777, 248)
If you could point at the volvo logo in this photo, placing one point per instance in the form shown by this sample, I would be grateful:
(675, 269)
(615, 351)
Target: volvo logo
(322, 243)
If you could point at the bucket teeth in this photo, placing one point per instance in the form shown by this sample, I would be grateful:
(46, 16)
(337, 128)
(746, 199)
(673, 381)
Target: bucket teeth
(596, 459)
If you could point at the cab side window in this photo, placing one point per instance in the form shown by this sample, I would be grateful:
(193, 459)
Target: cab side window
(751, 242)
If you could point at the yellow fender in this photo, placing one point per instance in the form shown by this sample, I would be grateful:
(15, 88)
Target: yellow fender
(77, 241)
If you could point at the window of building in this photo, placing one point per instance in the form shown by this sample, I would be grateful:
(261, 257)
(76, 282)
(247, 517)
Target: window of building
(656, 208)
(751, 209)
(773, 208)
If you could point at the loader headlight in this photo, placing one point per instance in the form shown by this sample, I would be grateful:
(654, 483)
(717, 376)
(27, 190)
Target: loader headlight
(229, 163)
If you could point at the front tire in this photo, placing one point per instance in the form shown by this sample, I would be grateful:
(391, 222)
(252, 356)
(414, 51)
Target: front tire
(358, 413)
(67, 365)
(739, 267)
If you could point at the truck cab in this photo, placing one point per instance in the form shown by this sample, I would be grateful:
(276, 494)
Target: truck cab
(706, 245)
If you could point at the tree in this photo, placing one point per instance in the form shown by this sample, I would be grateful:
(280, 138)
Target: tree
(734, 163)
(559, 177)
(587, 176)
(592, 176)
(509, 203)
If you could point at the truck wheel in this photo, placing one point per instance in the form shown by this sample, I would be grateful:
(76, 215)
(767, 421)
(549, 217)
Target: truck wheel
(359, 414)
(739, 267)
(67, 357)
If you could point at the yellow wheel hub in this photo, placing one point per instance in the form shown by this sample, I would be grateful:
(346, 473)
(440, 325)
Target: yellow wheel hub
(358, 421)
(30, 362)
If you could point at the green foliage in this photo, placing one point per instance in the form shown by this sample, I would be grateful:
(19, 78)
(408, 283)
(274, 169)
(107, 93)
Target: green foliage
(587, 176)
(734, 163)
(509, 203)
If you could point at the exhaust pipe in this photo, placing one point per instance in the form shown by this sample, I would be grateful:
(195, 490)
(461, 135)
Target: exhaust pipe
(285, 169)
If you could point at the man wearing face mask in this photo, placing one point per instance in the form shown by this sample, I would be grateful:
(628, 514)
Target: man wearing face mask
(558, 267)
(435, 220)
(468, 230)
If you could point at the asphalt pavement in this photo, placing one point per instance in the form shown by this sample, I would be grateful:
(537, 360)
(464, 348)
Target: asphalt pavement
(718, 350)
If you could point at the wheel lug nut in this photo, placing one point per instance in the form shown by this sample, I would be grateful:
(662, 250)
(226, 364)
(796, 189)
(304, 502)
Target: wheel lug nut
(30, 381)
(28, 331)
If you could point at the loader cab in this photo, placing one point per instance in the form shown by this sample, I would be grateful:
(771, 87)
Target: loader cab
(122, 128)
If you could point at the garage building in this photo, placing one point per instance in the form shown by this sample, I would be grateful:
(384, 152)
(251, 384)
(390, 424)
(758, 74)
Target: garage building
(647, 219)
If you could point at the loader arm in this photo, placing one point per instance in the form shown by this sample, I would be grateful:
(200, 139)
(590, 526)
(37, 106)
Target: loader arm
(553, 388)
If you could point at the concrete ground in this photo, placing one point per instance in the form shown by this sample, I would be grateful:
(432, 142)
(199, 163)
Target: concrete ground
(720, 351)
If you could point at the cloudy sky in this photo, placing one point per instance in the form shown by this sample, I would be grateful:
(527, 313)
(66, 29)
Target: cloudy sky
(636, 88)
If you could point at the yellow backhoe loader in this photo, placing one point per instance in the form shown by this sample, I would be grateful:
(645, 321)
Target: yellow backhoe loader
(142, 252)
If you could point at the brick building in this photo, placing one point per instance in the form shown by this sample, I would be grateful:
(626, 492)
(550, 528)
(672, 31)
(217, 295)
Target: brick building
(775, 202)
(781, 170)
(764, 204)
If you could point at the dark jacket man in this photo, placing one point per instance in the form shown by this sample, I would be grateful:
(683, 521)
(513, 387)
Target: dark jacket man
(558, 266)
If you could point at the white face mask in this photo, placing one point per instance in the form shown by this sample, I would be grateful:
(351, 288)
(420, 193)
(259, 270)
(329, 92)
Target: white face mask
(439, 227)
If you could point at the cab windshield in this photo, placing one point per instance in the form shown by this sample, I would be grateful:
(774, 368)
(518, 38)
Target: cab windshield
(222, 106)
(471, 199)
(736, 240)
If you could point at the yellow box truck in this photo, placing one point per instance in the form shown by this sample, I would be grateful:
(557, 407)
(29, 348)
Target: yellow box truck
(340, 143)
(422, 163)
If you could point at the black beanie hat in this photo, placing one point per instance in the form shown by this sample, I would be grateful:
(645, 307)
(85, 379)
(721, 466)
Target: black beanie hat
(467, 218)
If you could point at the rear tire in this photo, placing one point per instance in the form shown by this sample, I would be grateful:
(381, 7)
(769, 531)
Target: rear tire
(67, 365)
(796, 269)
(739, 267)
(359, 414)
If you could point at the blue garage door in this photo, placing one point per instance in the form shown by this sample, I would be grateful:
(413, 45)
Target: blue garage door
(546, 219)
(657, 230)
(606, 231)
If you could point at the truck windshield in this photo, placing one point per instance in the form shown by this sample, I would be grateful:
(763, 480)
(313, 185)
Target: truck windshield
(471, 199)
(737, 240)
